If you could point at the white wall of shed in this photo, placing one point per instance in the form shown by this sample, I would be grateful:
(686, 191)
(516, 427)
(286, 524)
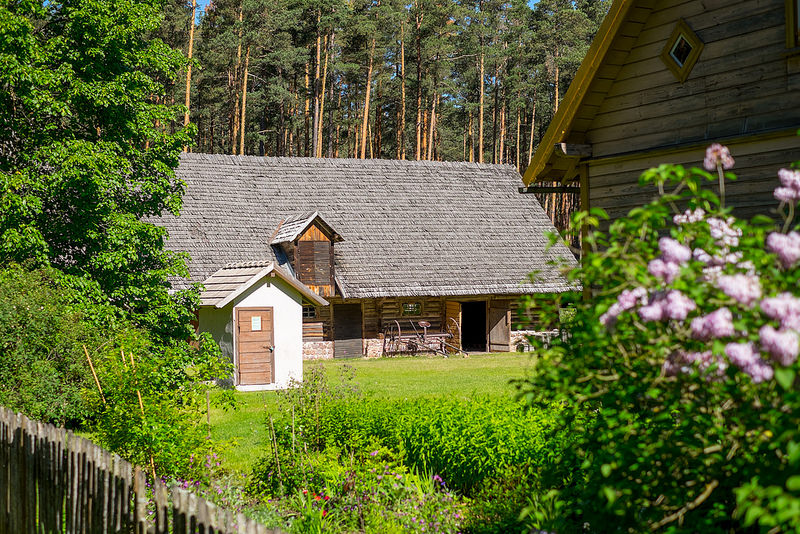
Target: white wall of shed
(219, 323)
(287, 313)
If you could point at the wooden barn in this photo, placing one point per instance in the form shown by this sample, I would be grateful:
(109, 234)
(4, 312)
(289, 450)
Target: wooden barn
(426, 248)
(664, 79)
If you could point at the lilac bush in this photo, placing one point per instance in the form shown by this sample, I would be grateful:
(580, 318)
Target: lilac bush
(687, 353)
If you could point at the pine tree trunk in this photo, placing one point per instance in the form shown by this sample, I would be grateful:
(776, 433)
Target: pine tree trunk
(502, 146)
(471, 139)
(516, 144)
(533, 123)
(418, 145)
(189, 68)
(481, 75)
(432, 127)
(401, 123)
(495, 115)
(378, 120)
(317, 64)
(328, 47)
(307, 105)
(365, 118)
(557, 76)
(234, 81)
(244, 100)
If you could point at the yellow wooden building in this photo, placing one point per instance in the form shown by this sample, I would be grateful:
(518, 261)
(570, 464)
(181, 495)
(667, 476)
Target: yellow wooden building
(662, 80)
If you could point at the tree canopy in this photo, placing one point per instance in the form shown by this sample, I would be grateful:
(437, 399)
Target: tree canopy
(88, 148)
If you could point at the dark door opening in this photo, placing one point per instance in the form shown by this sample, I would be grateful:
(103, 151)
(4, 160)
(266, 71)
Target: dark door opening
(473, 326)
(347, 331)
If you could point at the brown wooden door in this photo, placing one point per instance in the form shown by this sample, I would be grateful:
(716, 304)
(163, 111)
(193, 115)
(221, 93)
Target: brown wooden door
(452, 324)
(347, 331)
(499, 327)
(255, 346)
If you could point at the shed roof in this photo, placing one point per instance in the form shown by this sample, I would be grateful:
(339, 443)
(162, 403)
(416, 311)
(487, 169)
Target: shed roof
(411, 228)
(222, 287)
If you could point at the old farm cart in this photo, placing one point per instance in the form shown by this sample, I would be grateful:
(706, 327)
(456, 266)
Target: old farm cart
(416, 339)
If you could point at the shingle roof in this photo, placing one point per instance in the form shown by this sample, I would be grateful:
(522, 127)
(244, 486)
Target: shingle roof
(291, 228)
(410, 228)
(224, 285)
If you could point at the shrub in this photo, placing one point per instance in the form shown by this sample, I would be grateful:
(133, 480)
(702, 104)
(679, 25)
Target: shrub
(43, 369)
(686, 352)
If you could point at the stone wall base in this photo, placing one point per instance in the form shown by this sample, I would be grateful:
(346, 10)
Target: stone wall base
(373, 348)
(317, 350)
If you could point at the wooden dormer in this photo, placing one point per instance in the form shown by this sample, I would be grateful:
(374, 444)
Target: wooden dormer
(308, 241)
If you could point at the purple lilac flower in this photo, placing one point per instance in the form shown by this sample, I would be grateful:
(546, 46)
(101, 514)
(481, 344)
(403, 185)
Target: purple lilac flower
(652, 312)
(673, 251)
(674, 305)
(681, 362)
(715, 325)
(747, 358)
(689, 216)
(745, 289)
(786, 246)
(665, 270)
(625, 301)
(790, 180)
(783, 345)
(723, 232)
(784, 308)
(677, 305)
(718, 154)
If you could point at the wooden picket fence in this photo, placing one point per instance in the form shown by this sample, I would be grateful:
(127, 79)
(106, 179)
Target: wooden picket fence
(54, 481)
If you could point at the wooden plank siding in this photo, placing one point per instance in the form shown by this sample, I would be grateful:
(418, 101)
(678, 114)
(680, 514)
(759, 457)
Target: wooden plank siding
(743, 91)
(614, 183)
(737, 87)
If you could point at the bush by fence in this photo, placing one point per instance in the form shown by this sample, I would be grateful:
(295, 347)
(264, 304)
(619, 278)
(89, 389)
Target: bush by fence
(54, 481)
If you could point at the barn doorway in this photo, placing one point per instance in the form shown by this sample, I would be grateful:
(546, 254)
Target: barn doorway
(473, 326)
(347, 331)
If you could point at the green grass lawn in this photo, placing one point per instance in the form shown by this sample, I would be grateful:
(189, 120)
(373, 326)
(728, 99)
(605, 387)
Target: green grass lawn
(245, 429)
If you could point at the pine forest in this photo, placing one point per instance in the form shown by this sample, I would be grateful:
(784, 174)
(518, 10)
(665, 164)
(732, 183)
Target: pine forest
(445, 80)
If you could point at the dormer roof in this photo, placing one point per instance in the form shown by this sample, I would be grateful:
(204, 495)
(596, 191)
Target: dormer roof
(293, 227)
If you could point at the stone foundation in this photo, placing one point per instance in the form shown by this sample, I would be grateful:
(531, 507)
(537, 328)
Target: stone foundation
(519, 338)
(373, 348)
(317, 350)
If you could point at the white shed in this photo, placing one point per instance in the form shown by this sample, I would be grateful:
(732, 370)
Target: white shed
(255, 312)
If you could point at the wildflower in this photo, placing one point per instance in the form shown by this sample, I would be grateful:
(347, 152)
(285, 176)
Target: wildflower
(782, 345)
(373, 453)
(716, 324)
(784, 308)
(786, 246)
(674, 252)
(718, 154)
(677, 306)
(745, 289)
(745, 357)
(324, 513)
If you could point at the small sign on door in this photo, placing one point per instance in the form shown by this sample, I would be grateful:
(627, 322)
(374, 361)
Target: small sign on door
(255, 323)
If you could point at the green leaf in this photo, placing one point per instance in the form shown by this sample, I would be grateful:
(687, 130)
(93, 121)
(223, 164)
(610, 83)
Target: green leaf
(793, 483)
(606, 470)
(785, 377)
(610, 494)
